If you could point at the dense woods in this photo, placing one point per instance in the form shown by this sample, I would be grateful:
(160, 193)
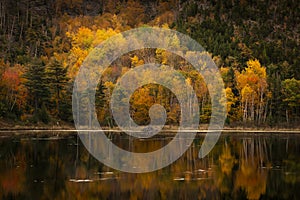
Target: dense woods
(255, 44)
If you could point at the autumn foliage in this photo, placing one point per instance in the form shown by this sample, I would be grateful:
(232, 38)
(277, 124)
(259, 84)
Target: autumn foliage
(41, 55)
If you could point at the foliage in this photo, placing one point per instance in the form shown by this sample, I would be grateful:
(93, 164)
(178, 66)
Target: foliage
(57, 80)
(255, 45)
(36, 82)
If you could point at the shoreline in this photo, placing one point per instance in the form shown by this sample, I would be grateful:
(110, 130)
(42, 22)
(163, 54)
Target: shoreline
(58, 133)
(65, 129)
(202, 127)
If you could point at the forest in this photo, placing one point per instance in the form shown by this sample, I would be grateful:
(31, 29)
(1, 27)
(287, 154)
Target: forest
(255, 45)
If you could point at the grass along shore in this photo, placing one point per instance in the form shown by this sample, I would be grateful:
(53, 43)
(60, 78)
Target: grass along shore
(59, 128)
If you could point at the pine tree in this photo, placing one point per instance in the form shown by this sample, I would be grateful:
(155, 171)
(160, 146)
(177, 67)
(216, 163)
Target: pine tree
(37, 84)
(57, 80)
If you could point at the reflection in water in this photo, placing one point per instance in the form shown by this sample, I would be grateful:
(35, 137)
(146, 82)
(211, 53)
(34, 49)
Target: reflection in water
(240, 166)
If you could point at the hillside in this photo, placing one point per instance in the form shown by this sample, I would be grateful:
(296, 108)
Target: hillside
(254, 43)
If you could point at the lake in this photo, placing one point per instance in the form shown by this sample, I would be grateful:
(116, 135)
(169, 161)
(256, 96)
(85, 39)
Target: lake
(241, 166)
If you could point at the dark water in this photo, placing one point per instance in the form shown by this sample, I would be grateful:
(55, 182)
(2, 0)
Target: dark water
(241, 166)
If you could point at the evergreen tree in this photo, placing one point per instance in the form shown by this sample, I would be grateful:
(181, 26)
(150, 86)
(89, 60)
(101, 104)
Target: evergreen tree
(37, 84)
(57, 80)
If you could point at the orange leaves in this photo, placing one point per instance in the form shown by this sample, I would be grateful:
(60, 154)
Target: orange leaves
(252, 79)
(252, 84)
(251, 75)
(11, 78)
(14, 89)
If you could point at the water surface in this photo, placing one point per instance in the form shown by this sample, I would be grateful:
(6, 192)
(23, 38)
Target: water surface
(241, 166)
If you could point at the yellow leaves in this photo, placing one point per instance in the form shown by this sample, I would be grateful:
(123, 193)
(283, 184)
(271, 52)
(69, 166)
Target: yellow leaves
(101, 35)
(252, 81)
(224, 71)
(253, 66)
(76, 57)
(79, 53)
(188, 81)
(141, 102)
(231, 99)
(135, 61)
(165, 25)
(109, 85)
(252, 84)
(83, 38)
(83, 41)
(86, 38)
(162, 56)
(247, 93)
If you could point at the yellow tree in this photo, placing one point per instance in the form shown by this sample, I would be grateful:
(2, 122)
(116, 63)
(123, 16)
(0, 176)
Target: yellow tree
(81, 46)
(141, 102)
(253, 87)
(83, 41)
(232, 112)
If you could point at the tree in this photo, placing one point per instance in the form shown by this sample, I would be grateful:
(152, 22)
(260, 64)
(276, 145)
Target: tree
(253, 88)
(291, 93)
(15, 92)
(232, 112)
(141, 101)
(100, 101)
(83, 41)
(133, 13)
(57, 80)
(36, 83)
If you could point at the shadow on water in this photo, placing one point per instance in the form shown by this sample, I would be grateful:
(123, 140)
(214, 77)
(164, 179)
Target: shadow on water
(252, 166)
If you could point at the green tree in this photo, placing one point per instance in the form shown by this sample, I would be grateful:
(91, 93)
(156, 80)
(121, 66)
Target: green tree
(57, 80)
(291, 93)
(36, 83)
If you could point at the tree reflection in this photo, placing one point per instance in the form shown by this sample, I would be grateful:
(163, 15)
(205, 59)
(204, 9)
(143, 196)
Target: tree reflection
(247, 166)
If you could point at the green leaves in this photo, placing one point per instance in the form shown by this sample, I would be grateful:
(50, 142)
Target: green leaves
(291, 92)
